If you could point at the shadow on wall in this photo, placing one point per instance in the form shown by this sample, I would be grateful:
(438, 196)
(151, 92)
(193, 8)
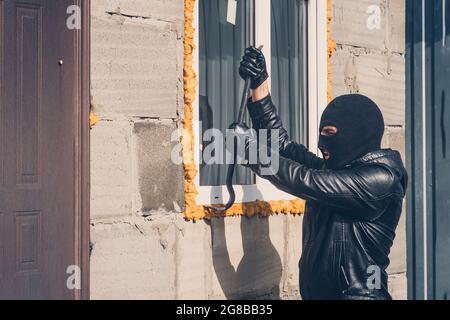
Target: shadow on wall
(258, 274)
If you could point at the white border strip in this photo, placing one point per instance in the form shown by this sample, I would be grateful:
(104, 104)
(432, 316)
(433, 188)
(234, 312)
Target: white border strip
(317, 68)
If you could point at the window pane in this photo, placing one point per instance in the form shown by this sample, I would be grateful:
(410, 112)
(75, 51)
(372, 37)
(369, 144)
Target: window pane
(221, 47)
(289, 65)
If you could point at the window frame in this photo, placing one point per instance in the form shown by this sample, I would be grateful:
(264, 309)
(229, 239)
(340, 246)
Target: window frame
(263, 190)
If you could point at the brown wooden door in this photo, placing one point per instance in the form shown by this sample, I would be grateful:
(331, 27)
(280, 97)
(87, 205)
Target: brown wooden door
(40, 145)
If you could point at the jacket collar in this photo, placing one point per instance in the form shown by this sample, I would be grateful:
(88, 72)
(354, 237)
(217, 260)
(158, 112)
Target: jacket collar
(386, 156)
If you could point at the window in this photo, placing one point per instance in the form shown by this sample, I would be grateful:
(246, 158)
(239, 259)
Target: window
(292, 32)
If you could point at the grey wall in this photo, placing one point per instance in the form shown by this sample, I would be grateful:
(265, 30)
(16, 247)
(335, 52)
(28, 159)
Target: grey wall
(137, 56)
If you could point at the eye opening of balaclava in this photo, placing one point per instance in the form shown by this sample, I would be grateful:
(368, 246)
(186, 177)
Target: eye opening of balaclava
(360, 128)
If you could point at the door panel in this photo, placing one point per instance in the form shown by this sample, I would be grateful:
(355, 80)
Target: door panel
(40, 98)
(29, 92)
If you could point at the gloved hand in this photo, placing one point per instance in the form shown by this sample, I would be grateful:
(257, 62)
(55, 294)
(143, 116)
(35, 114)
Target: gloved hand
(253, 66)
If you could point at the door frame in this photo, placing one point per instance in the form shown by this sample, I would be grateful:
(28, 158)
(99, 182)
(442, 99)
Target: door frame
(82, 149)
(421, 111)
(417, 146)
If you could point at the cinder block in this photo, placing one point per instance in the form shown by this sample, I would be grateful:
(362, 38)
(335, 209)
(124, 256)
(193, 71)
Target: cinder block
(246, 262)
(194, 260)
(234, 258)
(133, 259)
(135, 68)
(397, 22)
(349, 23)
(110, 169)
(394, 138)
(398, 250)
(166, 10)
(398, 286)
(293, 236)
(379, 76)
(160, 181)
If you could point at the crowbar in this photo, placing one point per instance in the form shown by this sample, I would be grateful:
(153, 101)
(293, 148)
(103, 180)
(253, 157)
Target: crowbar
(231, 167)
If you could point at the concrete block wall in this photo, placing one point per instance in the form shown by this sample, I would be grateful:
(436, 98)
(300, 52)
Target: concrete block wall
(370, 59)
(142, 246)
(164, 257)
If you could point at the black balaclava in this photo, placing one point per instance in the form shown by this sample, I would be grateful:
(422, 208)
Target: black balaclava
(360, 128)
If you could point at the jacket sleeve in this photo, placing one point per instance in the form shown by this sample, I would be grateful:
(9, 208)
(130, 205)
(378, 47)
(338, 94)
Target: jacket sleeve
(362, 193)
(264, 116)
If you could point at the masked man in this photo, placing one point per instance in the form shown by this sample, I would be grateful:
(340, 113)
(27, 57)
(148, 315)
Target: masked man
(353, 195)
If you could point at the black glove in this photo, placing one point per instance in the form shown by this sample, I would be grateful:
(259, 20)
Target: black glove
(253, 66)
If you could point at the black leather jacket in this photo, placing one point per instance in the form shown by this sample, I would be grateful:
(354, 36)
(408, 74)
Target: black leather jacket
(351, 214)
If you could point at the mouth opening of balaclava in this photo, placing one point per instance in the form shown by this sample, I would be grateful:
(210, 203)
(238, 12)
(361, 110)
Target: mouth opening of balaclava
(360, 128)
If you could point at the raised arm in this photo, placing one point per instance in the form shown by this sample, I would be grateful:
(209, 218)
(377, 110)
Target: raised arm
(264, 114)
